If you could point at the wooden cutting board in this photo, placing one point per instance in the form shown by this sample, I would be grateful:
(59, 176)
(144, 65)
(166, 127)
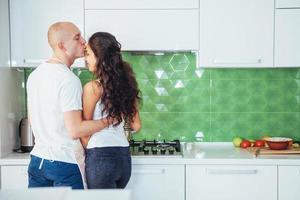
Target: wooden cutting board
(265, 151)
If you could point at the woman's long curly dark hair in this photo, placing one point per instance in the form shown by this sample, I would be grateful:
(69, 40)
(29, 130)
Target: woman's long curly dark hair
(121, 95)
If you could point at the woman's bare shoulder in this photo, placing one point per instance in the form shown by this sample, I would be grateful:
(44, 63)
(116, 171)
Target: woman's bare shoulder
(93, 88)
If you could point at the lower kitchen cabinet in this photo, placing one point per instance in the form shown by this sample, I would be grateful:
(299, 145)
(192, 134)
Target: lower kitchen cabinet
(228, 182)
(288, 182)
(14, 177)
(157, 182)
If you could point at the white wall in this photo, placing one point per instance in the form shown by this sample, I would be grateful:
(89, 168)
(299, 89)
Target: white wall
(4, 34)
(11, 108)
(12, 95)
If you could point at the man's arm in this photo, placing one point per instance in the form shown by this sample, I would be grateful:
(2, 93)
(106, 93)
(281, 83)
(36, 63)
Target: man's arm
(77, 127)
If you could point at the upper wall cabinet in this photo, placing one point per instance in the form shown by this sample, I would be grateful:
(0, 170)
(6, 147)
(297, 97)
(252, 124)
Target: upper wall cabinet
(4, 32)
(30, 21)
(141, 4)
(146, 25)
(236, 33)
(287, 33)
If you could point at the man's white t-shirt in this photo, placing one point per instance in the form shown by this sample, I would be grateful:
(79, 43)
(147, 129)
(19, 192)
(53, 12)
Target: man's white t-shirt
(53, 89)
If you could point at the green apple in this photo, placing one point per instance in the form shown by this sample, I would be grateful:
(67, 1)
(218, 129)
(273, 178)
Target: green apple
(237, 141)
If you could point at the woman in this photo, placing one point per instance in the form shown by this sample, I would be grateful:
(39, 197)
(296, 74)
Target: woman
(113, 94)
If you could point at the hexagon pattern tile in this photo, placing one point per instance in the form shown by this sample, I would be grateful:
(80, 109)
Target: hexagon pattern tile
(181, 99)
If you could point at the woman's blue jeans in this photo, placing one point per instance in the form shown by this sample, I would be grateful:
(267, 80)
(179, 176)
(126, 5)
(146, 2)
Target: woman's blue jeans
(107, 167)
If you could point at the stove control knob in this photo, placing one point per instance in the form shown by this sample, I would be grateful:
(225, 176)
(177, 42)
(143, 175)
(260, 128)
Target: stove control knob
(154, 151)
(146, 151)
(171, 151)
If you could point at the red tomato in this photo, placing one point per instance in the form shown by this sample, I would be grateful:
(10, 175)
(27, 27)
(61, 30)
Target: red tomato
(245, 144)
(259, 143)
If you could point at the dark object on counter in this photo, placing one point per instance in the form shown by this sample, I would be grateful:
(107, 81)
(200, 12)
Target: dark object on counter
(155, 148)
(26, 135)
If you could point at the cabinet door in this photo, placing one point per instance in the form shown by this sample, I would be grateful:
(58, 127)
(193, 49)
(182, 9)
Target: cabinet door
(236, 33)
(140, 4)
(30, 21)
(287, 3)
(287, 37)
(147, 29)
(4, 32)
(288, 182)
(14, 177)
(159, 182)
(215, 182)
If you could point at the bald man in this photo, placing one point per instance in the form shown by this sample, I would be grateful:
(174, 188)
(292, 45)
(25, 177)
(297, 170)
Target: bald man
(54, 96)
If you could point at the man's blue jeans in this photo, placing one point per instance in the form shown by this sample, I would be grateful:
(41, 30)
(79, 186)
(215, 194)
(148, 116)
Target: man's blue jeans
(48, 173)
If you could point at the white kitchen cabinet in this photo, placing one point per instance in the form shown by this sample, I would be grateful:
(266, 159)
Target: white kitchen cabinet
(4, 32)
(228, 182)
(14, 177)
(159, 182)
(141, 4)
(30, 21)
(287, 31)
(147, 29)
(287, 4)
(288, 182)
(236, 33)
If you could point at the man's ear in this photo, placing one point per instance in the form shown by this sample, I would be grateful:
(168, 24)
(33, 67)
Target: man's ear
(61, 46)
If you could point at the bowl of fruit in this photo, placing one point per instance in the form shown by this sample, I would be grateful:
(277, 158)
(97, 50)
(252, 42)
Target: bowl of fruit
(278, 143)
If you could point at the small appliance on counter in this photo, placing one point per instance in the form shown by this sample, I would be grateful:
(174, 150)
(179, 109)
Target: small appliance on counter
(26, 136)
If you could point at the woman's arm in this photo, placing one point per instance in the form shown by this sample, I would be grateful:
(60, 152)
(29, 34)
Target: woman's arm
(91, 94)
(136, 122)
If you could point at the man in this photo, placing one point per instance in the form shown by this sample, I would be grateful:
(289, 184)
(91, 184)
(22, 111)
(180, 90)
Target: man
(55, 111)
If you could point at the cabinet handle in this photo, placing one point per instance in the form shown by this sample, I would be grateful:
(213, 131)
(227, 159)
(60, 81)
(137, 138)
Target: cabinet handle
(238, 61)
(33, 61)
(230, 171)
(153, 171)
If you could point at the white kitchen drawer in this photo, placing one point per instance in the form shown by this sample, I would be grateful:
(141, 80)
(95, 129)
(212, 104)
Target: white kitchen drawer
(288, 182)
(226, 182)
(141, 4)
(287, 3)
(157, 182)
(14, 177)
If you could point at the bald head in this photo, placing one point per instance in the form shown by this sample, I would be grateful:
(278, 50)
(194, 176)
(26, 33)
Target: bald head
(60, 32)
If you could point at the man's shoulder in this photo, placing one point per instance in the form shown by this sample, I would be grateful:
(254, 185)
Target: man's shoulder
(71, 77)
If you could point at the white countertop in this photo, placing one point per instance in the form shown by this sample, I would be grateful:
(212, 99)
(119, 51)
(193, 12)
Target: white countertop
(196, 153)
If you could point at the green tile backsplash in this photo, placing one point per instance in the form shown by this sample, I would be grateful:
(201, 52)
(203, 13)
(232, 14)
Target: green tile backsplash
(180, 99)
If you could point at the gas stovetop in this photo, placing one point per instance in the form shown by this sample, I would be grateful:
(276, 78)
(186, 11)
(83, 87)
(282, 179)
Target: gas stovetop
(155, 148)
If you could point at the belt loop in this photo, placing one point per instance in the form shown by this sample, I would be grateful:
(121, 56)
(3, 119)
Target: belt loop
(42, 161)
(51, 154)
